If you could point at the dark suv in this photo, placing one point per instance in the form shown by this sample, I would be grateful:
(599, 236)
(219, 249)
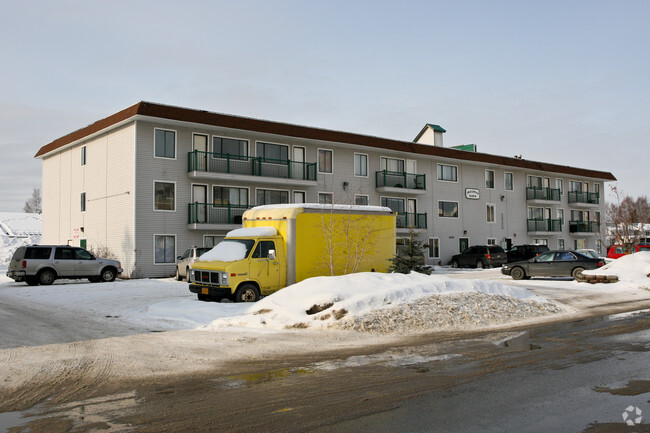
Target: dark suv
(42, 264)
(524, 252)
(480, 256)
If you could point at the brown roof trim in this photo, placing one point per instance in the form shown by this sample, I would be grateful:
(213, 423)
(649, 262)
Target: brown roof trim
(264, 126)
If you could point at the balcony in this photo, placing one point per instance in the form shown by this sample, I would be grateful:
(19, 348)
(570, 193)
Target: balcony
(406, 220)
(544, 225)
(400, 182)
(581, 198)
(215, 216)
(209, 165)
(583, 227)
(542, 194)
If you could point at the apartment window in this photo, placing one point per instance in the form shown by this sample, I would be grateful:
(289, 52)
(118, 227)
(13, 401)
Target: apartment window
(491, 212)
(536, 213)
(273, 152)
(560, 244)
(361, 200)
(391, 164)
(434, 248)
(395, 204)
(229, 146)
(447, 173)
(272, 196)
(448, 209)
(491, 241)
(325, 198)
(509, 181)
(324, 161)
(360, 165)
(83, 155)
(580, 244)
(210, 241)
(578, 215)
(540, 241)
(83, 202)
(225, 195)
(575, 186)
(164, 196)
(535, 182)
(299, 196)
(165, 249)
(489, 179)
(165, 144)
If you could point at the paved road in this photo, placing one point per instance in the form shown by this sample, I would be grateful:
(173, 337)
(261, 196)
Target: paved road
(575, 377)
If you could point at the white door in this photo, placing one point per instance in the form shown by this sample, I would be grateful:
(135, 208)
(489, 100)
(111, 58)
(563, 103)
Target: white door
(298, 165)
(199, 203)
(200, 145)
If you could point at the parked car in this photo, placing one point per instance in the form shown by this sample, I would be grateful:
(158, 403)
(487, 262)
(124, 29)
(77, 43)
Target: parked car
(593, 253)
(480, 256)
(43, 264)
(524, 252)
(561, 263)
(188, 258)
(616, 251)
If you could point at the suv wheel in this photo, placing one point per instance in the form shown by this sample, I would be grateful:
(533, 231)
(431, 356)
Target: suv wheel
(480, 264)
(46, 277)
(454, 264)
(107, 275)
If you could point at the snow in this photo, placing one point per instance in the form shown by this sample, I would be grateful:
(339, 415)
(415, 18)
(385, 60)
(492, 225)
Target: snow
(250, 232)
(631, 268)
(225, 251)
(17, 229)
(329, 207)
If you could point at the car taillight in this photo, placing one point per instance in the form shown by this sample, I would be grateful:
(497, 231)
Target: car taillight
(24, 264)
(488, 256)
(601, 263)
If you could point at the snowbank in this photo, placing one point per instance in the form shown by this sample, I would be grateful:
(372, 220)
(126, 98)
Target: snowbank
(354, 301)
(18, 229)
(632, 268)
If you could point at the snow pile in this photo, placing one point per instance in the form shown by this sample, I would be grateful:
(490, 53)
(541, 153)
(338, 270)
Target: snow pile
(631, 268)
(18, 229)
(389, 303)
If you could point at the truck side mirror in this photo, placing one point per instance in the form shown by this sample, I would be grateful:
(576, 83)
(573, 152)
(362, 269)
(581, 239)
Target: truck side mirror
(271, 255)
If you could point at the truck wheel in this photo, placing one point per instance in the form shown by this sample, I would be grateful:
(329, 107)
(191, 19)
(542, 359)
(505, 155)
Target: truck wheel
(517, 274)
(247, 293)
(32, 281)
(108, 275)
(46, 277)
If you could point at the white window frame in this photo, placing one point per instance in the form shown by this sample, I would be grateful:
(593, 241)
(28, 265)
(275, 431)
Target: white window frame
(494, 213)
(362, 195)
(491, 241)
(322, 149)
(175, 144)
(494, 179)
(448, 201)
(445, 180)
(155, 181)
(154, 249)
(433, 241)
(355, 164)
(505, 185)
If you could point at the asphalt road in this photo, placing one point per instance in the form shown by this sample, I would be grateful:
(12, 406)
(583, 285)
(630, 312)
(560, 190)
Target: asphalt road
(574, 377)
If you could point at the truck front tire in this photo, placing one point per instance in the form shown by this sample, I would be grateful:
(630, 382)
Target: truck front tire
(247, 293)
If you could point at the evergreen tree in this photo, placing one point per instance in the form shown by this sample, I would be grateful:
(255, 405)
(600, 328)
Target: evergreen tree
(409, 257)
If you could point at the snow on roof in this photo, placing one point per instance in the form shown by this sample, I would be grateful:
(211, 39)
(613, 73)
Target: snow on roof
(250, 232)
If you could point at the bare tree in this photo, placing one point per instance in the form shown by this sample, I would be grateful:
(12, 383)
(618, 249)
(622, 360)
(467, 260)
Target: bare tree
(33, 205)
(627, 219)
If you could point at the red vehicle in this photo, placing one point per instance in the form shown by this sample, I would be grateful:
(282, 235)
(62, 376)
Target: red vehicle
(616, 251)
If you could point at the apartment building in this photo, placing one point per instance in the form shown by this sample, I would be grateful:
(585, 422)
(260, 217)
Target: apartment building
(152, 180)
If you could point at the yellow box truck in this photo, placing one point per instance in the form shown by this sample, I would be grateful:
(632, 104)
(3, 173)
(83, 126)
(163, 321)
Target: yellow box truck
(283, 244)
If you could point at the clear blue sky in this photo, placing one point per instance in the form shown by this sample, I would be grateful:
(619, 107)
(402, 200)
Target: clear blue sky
(566, 82)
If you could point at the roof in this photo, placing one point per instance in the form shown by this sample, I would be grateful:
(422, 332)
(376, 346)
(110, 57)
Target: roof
(150, 109)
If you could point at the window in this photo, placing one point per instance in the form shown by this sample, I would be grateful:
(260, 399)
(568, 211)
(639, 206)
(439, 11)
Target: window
(447, 173)
(540, 241)
(64, 253)
(559, 185)
(271, 196)
(164, 249)
(448, 209)
(83, 155)
(299, 196)
(489, 179)
(325, 197)
(83, 202)
(491, 212)
(434, 248)
(580, 244)
(224, 195)
(164, 196)
(391, 164)
(536, 213)
(509, 181)
(560, 244)
(262, 249)
(575, 186)
(273, 152)
(361, 200)
(395, 204)
(165, 144)
(229, 146)
(210, 241)
(491, 241)
(535, 182)
(360, 165)
(324, 161)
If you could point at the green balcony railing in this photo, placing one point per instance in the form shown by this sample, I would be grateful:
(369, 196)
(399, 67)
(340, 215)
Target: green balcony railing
(579, 226)
(397, 179)
(544, 225)
(584, 197)
(211, 162)
(552, 194)
(211, 213)
(407, 220)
